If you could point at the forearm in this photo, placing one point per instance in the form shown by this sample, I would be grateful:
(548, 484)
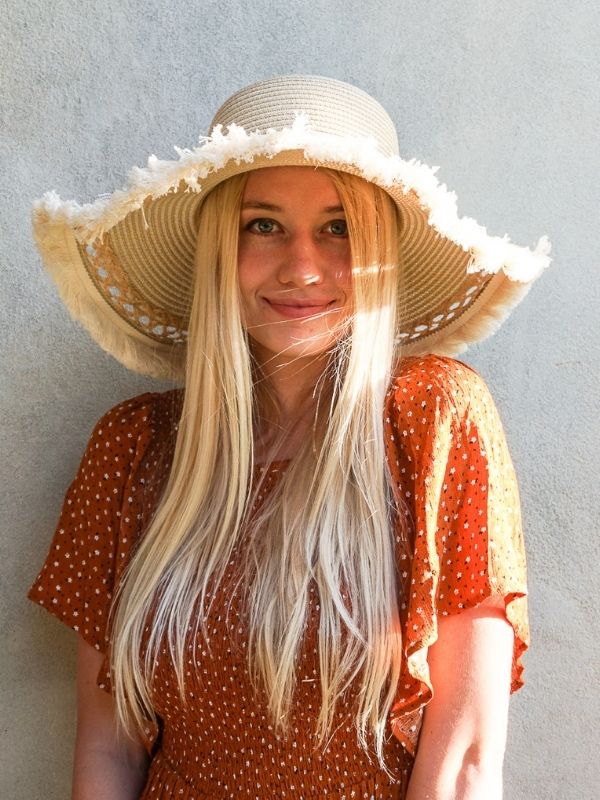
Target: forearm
(108, 764)
(103, 775)
(455, 778)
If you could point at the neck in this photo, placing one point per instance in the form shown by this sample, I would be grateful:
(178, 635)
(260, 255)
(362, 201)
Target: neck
(293, 384)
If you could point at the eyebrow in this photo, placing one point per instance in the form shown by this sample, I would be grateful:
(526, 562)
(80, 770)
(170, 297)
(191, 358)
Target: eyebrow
(270, 207)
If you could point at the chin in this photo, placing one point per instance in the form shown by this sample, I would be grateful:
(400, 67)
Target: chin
(291, 351)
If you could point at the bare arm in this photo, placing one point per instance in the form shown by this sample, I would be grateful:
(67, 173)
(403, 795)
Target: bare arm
(107, 766)
(462, 741)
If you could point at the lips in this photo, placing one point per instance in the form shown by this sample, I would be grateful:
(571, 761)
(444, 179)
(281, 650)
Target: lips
(300, 308)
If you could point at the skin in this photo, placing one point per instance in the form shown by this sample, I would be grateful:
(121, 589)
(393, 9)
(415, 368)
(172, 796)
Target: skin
(294, 251)
(294, 269)
(106, 766)
(462, 740)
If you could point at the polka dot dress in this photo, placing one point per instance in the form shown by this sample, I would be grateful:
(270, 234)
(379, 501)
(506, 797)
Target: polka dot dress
(452, 472)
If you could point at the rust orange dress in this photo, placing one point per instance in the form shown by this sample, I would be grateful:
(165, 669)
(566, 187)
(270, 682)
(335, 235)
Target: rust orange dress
(447, 454)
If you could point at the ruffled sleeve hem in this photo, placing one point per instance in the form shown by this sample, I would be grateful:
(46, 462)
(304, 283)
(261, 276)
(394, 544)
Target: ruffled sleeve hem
(65, 613)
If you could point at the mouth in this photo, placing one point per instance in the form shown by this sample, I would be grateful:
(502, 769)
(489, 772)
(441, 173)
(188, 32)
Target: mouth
(300, 310)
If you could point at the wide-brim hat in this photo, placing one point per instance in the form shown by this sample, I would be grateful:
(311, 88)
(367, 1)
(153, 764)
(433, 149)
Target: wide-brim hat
(124, 264)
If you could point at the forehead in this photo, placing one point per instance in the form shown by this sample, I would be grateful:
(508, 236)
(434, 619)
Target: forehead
(291, 182)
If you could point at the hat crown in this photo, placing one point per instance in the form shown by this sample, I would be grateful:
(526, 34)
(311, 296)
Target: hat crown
(332, 107)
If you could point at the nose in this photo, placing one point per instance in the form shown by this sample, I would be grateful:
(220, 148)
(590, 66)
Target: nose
(302, 262)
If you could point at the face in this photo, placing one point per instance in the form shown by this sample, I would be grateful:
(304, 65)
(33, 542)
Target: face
(294, 264)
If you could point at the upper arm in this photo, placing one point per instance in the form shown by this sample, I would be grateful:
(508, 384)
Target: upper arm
(470, 670)
(95, 707)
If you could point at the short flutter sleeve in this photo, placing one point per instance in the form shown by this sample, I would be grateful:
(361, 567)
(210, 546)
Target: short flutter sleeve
(449, 459)
(102, 517)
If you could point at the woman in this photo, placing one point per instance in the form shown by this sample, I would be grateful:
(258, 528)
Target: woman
(303, 575)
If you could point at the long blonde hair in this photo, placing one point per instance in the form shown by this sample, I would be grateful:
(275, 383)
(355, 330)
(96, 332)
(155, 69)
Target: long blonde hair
(328, 521)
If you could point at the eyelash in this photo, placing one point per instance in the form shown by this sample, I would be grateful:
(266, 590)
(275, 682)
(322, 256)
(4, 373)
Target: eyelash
(250, 226)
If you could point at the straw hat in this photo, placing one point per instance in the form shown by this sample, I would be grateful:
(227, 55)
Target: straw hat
(124, 264)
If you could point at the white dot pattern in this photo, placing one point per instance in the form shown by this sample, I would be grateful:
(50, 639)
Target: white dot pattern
(448, 458)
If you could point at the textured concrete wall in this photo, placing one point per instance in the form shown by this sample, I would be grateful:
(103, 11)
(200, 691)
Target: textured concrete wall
(504, 96)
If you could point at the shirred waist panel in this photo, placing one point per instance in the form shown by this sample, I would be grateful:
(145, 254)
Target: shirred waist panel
(258, 782)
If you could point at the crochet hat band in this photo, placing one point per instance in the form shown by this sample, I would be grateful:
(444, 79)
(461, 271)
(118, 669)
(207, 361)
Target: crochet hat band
(124, 264)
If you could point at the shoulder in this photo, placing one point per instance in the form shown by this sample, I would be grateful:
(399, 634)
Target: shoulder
(435, 400)
(138, 418)
(124, 437)
(445, 378)
(436, 386)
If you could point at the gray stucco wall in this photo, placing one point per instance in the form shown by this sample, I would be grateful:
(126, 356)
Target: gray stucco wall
(504, 96)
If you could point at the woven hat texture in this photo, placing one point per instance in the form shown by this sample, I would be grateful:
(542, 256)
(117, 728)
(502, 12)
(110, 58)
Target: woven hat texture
(124, 264)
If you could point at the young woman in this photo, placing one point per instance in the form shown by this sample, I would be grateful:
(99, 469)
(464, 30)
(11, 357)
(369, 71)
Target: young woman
(301, 575)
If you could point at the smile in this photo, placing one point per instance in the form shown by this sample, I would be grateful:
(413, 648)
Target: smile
(299, 310)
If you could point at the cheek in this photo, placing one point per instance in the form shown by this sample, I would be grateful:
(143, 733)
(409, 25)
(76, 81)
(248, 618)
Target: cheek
(254, 264)
(343, 268)
(247, 278)
(344, 279)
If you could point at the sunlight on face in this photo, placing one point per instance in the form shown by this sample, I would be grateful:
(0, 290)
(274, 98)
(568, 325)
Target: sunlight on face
(294, 263)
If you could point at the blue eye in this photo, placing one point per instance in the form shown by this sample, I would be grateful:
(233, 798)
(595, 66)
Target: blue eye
(263, 225)
(339, 227)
